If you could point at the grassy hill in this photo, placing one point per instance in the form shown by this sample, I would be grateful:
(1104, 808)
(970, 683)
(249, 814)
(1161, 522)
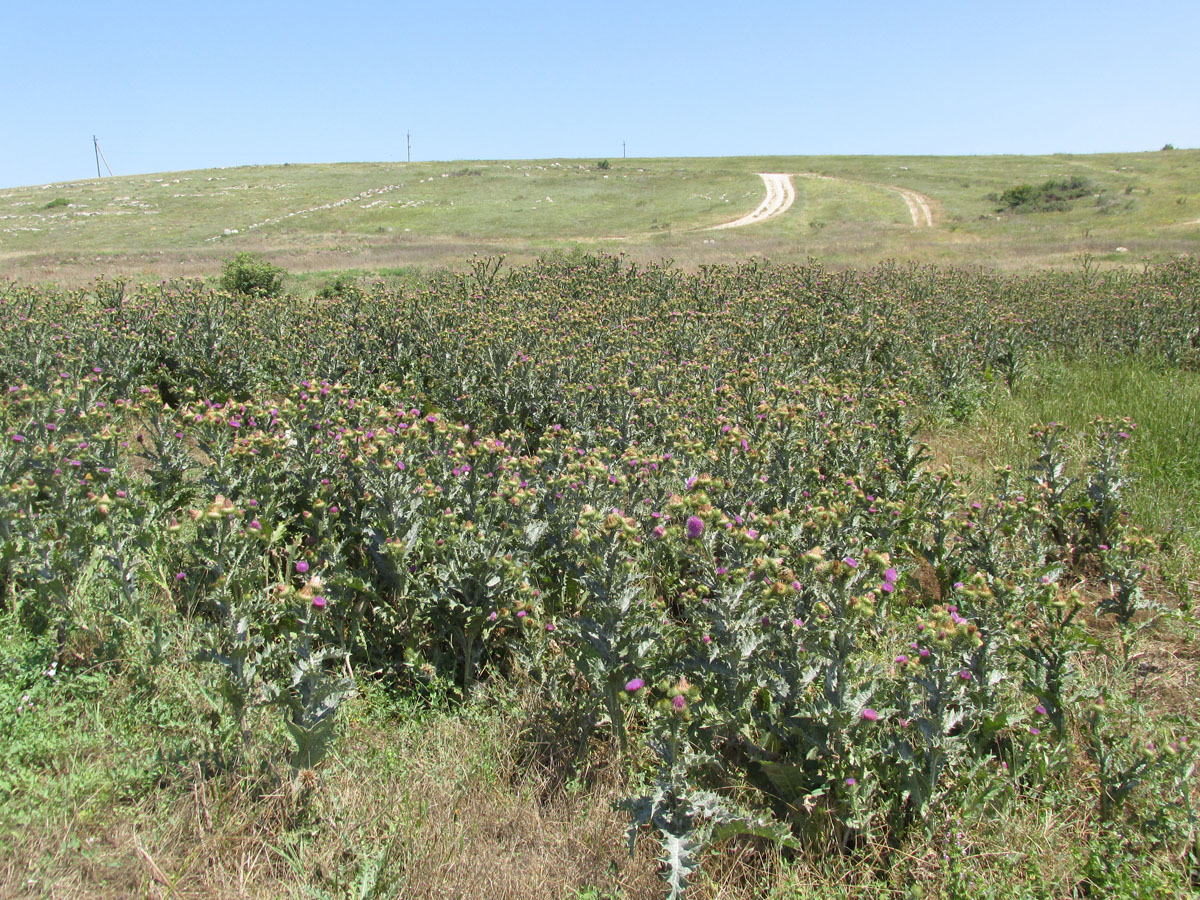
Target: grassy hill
(380, 216)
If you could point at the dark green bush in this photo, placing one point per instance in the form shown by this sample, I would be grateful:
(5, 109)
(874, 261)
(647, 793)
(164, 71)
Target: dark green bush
(57, 202)
(249, 273)
(1054, 195)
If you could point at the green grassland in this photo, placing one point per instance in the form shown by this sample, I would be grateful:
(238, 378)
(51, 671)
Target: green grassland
(375, 216)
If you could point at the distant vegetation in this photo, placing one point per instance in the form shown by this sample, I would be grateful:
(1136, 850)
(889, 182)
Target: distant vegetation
(318, 219)
(1054, 195)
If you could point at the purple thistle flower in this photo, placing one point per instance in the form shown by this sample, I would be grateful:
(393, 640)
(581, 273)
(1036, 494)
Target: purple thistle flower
(318, 602)
(301, 567)
(678, 701)
(694, 527)
(851, 781)
(634, 684)
(1040, 710)
(891, 576)
(869, 714)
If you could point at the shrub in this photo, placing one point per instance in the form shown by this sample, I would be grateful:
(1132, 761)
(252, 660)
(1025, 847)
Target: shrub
(604, 165)
(1050, 196)
(57, 203)
(248, 273)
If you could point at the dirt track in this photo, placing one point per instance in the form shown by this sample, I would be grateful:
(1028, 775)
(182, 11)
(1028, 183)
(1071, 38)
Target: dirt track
(918, 205)
(781, 194)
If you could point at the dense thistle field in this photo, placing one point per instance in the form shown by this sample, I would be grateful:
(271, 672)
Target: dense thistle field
(686, 514)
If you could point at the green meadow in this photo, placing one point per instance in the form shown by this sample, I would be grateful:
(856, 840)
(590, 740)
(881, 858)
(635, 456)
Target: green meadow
(380, 216)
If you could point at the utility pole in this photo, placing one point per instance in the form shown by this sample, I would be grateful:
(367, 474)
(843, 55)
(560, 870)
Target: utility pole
(622, 149)
(409, 136)
(100, 156)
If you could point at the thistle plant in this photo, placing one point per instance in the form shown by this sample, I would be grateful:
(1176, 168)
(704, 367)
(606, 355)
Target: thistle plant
(684, 817)
(1122, 595)
(694, 506)
(316, 691)
(1051, 484)
(1107, 481)
(936, 716)
(1050, 636)
(612, 637)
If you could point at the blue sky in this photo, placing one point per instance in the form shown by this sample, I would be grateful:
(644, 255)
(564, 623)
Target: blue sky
(174, 86)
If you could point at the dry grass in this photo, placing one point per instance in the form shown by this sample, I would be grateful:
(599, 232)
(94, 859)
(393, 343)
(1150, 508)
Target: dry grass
(439, 809)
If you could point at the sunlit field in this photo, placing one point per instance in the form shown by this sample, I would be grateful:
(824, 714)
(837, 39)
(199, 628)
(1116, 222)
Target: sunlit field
(377, 217)
(808, 582)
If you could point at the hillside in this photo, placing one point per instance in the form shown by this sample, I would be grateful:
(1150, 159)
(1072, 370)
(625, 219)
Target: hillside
(380, 216)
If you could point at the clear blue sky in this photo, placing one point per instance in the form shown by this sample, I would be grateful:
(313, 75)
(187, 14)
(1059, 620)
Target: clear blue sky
(170, 86)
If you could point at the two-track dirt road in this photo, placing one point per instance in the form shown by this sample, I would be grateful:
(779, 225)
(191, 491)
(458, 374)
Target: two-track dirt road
(781, 194)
